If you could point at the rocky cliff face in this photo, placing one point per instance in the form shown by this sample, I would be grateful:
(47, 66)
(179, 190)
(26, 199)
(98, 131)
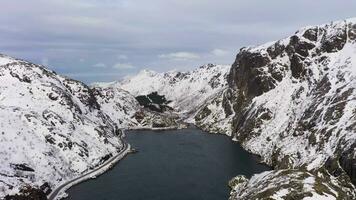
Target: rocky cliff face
(216, 115)
(52, 128)
(290, 184)
(294, 100)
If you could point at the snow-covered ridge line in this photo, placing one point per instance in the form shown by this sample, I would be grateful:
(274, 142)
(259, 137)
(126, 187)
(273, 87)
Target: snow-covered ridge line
(187, 90)
(292, 102)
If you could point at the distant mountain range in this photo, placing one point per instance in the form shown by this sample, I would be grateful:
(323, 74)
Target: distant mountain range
(185, 90)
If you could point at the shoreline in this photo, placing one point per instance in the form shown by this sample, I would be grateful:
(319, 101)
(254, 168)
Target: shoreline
(154, 129)
(60, 192)
(199, 138)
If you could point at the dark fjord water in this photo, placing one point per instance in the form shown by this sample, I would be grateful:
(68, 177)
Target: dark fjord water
(172, 165)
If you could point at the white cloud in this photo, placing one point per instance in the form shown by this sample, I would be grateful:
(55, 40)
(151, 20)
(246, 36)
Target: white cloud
(123, 66)
(180, 56)
(122, 57)
(45, 61)
(81, 60)
(99, 65)
(219, 52)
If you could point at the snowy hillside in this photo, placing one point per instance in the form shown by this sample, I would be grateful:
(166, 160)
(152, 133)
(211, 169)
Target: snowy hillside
(118, 104)
(289, 184)
(126, 111)
(294, 101)
(186, 90)
(52, 127)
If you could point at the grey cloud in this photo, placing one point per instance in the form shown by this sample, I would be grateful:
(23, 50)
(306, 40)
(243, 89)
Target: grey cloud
(99, 65)
(180, 56)
(134, 32)
(123, 66)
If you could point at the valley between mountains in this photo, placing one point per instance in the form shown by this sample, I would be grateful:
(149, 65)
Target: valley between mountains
(292, 102)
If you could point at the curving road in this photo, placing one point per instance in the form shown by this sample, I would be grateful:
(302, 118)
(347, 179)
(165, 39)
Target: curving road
(99, 170)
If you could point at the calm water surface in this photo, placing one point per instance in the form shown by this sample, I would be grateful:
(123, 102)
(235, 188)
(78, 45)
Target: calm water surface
(172, 165)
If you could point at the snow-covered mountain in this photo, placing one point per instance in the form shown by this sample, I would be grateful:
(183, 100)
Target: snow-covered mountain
(52, 128)
(55, 129)
(185, 90)
(293, 103)
(125, 110)
(120, 105)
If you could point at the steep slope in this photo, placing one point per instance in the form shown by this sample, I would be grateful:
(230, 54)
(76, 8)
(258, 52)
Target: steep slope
(290, 184)
(120, 105)
(52, 128)
(293, 101)
(185, 90)
(126, 111)
(217, 113)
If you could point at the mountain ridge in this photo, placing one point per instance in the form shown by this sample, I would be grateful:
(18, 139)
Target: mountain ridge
(186, 90)
(292, 102)
(45, 120)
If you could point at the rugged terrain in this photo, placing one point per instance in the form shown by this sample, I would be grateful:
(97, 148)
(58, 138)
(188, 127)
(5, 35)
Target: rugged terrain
(125, 110)
(293, 103)
(55, 129)
(52, 129)
(186, 91)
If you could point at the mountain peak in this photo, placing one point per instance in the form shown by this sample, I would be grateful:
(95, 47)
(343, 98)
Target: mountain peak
(147, 72)
(4, 59)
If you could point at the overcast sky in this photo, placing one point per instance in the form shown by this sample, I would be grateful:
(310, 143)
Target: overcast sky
(105, 40)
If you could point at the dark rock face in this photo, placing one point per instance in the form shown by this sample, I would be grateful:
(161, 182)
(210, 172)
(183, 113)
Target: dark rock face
(275, 50)
(297, 66)
(254, 73)
(154, 102)
(203, 113)
(334, 42)
(245, 74)
(248, 74)
(306, 59)
(22, 167)
(347, 161)
(46, 188)
(28, 193)
(83, 92)
(298, 46)
(311, 34)
(294, 105)
(352, 31)
(226, 103)
(215, 82)
(272, 183)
